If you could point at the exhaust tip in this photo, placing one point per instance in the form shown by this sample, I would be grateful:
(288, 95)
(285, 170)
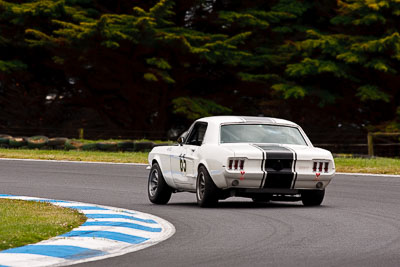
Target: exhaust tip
(319, 185)
(235, 182)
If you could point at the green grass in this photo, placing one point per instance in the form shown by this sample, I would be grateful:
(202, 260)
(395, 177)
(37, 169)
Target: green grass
(97, 156)
(376, 165)
(28, 222)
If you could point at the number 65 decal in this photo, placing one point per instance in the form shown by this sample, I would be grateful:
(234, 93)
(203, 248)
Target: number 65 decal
(182, 163)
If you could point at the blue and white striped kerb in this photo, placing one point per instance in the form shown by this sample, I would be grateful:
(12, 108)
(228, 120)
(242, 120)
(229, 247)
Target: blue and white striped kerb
(108, 232)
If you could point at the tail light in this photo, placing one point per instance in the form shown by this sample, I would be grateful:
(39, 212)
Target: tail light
(236, 164)
(320, 166)
(326, 166)
(315, 166)
(241, 166)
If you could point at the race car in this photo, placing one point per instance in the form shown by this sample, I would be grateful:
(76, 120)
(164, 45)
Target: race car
(265, 159)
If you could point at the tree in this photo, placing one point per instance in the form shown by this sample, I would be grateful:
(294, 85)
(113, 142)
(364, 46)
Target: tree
(144, 65)
(353, 63)
(126, 68)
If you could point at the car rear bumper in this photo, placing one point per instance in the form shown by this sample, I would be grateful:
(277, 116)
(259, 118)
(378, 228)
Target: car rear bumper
(261, 180)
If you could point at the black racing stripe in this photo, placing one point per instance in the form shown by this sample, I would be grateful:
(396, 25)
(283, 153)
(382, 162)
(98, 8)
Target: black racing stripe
(278, 152)
(294, 167)
(295, 180)
(279, 163)
(263, 169)
(262, 165)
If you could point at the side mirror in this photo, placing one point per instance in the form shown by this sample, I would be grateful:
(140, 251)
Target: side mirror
(181, 140)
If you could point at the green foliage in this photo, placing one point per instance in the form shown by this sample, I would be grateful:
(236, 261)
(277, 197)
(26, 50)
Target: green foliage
(290, 90)
(371, 92)
(159, 63)
(310, 66)
(247, 77)
(195, 108)
(150, 77)
(244, 20)
(351, 55)
(296, 8)
(10, 66)
(160, 12)
(104, 56)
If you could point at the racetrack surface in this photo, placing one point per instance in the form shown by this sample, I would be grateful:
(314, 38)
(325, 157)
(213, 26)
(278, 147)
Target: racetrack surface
(357, 225)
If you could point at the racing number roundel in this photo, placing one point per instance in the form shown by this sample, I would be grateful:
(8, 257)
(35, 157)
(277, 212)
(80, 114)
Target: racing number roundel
(182, 163)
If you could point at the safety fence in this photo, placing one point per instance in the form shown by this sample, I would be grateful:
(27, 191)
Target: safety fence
(357, 142)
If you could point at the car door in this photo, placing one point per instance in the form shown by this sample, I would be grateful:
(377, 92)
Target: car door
(177, 159)
(192, 147)
(177, 166)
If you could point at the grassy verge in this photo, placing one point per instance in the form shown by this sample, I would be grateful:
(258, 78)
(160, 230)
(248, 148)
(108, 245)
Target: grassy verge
(368, 165)
(98, 156)
(343, 164)
(27, 222)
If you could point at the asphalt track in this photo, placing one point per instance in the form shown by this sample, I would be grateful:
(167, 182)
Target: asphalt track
(357, 225)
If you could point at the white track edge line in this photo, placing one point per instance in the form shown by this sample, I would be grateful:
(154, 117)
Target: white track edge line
(367, 174)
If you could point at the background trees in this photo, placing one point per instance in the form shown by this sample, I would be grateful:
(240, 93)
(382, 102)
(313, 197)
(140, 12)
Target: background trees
(151, 65)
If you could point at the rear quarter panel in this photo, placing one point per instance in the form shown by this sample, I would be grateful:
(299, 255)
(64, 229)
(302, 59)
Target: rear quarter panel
(162, 156)
(214, 157)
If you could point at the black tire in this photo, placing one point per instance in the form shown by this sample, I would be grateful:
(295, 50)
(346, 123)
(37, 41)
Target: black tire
(143, 146)
(125, 146)
(71, 144)
(89, 147)
(5, 139)
(57, 141)
(158, 190)
(312, 197)
(107, 146)
(206, 191)
(38, 141)
(17, 142)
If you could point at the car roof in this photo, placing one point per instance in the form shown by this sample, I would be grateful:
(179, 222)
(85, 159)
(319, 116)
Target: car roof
(246, 119)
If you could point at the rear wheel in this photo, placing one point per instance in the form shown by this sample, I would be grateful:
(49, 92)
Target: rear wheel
(312, 197)
(206, 191)
(158, 190)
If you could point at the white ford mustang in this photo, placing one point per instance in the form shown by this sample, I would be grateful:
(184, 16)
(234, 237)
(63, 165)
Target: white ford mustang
(260, 158)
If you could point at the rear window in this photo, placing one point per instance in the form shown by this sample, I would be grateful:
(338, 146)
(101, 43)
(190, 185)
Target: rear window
(261, 133)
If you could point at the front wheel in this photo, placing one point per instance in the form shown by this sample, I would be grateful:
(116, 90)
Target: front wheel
(312, 197)
(158, 190)
(206, 191)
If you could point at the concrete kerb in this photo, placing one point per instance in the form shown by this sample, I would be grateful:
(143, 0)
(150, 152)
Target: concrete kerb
(108, 232)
